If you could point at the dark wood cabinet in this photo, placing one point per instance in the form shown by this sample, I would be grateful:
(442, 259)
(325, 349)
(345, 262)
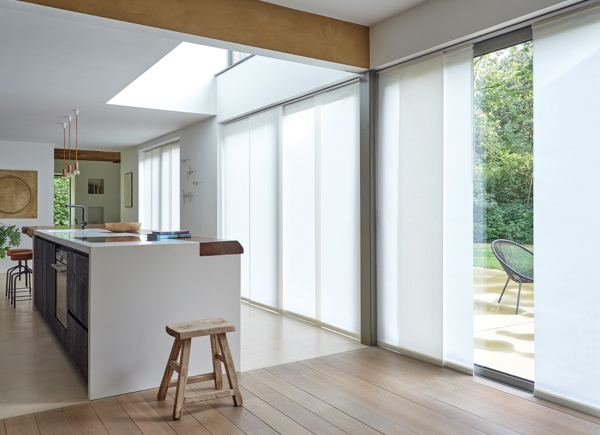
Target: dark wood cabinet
(38, 274)
(44, 279)
(78, 344)
(77, 287)
(74, 338)
(77, 308)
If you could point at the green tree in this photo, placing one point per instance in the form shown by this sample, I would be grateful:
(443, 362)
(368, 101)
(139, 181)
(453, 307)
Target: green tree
(62, 196)
(503, 196)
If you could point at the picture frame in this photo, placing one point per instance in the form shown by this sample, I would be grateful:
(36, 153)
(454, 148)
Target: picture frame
(128, 189)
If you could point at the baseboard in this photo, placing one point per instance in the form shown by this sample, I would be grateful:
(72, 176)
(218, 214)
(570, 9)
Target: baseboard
(459, 367)
(573, 404)
(411, 353)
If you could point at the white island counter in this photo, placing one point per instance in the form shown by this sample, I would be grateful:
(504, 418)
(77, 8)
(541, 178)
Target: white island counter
(136, 288)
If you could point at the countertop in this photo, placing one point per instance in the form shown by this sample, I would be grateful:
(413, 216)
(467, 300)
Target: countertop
(83, 240)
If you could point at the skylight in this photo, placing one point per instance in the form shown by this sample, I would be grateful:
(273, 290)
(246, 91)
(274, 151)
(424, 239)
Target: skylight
(182, 81)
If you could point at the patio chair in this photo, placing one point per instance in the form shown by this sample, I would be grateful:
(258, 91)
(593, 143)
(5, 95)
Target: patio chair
(517, 262)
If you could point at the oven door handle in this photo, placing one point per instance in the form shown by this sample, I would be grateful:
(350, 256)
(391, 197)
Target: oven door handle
(59, 267)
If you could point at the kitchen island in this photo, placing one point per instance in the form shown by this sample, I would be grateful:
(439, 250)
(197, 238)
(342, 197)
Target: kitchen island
(121, 292)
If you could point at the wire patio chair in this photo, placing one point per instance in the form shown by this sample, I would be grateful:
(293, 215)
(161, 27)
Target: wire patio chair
(517, 262)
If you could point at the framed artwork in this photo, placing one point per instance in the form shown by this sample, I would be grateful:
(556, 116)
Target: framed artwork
(18, 194)
(128, 189)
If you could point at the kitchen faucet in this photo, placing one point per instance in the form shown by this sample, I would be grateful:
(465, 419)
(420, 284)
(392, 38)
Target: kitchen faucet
(83, 222)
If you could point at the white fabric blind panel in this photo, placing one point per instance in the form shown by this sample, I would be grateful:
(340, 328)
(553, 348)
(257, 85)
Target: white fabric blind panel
(159, 197)
(264, 203)
(458, 208)
(298, 208)
(236, 192)
(301, 211)
(338, 176)
(425, 114)
(566, 214)
(412, 318)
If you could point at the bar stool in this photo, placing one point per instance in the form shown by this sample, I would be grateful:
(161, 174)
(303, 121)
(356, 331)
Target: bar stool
(13, 290)
(19, 268)
(216, 328)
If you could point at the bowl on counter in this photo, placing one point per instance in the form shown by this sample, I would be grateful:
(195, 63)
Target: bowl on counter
(123, 227)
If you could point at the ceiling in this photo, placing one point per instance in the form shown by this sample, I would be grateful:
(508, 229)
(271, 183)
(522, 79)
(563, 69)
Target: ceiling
(50, 66)
(365, 12)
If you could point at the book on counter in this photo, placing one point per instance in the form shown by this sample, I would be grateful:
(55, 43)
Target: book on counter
(163, 235)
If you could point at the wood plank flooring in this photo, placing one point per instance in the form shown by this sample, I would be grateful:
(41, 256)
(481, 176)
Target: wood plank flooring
(363, 391)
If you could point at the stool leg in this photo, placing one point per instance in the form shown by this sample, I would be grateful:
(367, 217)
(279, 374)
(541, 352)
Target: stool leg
(216, 363)
(166, 380)
(9, 273)
(230, 369)
(182, 379)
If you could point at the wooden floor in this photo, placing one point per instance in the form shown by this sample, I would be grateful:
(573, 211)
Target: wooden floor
(364, 391)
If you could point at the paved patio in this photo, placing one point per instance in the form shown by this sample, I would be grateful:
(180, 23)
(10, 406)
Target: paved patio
(503, 339)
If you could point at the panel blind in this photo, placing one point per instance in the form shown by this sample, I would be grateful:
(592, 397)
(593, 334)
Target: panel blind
(159, 193)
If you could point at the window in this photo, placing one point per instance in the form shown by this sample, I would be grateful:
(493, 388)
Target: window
(236, 56)
(159, 188)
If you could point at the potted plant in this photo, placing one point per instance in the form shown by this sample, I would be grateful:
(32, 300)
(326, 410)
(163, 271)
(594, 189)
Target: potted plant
(10, 237)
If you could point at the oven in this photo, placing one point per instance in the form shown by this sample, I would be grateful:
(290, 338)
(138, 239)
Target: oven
(61, 286)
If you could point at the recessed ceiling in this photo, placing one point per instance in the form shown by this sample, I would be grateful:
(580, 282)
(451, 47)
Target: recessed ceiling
(50, 66)
(365, 12)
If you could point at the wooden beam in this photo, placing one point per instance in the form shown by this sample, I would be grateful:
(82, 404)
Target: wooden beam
(249, 22)
(96, 156)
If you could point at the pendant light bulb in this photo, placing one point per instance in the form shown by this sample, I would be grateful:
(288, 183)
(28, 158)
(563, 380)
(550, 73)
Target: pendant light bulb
(76, 171)
(64, 171)
(69, 169)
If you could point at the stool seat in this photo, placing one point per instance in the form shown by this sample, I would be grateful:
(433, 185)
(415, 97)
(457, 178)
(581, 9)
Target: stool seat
(17, 251)
(199, 328)
(217, 329)
(21, 256)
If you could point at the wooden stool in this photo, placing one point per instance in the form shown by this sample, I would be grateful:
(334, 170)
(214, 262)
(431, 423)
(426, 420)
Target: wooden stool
(183, 333)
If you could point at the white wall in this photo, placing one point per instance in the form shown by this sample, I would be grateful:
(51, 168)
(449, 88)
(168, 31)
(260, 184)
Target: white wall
(198, 151)
(30, 157)
(260, 82)
(110, 200)
(435, 23)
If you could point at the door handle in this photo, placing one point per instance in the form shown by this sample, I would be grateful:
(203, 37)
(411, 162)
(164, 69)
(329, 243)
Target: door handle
(59, 267)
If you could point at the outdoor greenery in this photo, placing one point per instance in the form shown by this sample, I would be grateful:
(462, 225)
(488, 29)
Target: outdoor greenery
(10, 237)
(503, 158)
(62, 195)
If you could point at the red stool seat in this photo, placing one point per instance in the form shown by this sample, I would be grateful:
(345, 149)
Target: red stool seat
(22, 256)
(17, 251)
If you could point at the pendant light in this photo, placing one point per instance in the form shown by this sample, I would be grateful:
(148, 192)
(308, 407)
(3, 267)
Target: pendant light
(64, 173)
(76, 172)
(69, 167)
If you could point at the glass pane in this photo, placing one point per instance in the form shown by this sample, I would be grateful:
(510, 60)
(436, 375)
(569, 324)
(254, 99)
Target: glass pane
(503, 210)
